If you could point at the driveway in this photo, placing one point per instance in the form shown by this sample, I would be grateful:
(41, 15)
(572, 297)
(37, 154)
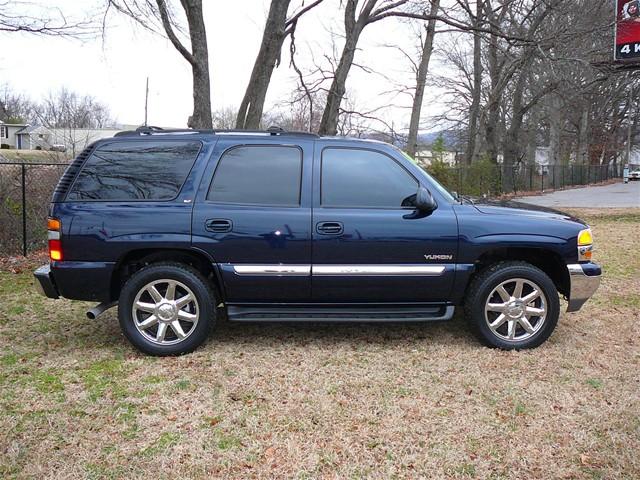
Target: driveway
(615, 195)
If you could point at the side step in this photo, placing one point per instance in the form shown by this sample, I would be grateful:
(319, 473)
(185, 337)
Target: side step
(339, 314)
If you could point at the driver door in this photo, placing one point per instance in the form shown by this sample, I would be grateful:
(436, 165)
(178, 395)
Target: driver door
(367, 247)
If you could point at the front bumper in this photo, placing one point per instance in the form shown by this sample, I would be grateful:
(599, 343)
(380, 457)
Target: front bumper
(44, 282)
(584, 279)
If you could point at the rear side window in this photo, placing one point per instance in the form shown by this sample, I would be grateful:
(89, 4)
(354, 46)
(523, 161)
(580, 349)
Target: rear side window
(122, 171)
(258, 175)
(364, 178)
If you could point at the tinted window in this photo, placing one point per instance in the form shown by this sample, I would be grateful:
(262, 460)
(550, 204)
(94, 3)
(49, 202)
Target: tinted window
(258, 175)
(121, 171)
(363, 178)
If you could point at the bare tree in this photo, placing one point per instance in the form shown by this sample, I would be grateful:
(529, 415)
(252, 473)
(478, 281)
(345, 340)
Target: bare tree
(15, 107)
(224, 118)
(474, 112)
(158, 14)
(426, 47)
(73, 116)
(276, 30)
(39, 19)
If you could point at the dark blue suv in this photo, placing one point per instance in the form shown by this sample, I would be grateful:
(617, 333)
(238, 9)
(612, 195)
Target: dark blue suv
(184, 228)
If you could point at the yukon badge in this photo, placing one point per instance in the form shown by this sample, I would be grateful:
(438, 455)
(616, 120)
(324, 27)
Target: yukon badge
(438, 257)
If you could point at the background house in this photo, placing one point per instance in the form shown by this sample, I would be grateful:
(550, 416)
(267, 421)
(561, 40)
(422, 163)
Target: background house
(8, 134)
(37, 137)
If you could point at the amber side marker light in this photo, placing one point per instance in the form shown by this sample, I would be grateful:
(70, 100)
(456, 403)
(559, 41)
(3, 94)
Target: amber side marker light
(585, 245)
(53, 235)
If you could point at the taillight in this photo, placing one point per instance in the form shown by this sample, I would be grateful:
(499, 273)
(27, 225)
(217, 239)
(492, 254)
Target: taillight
(53, 234)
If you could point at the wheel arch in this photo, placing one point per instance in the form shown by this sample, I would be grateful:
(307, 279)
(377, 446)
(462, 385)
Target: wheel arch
(547, 260)
(134, 260)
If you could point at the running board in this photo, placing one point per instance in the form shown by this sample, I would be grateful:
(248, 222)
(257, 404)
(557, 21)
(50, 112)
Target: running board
(339, 314)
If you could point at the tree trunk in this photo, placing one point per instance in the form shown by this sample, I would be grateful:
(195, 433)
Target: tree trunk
(252, 105)
(532, 138)
(583, 138)
(495, 98)
(329, 121)
(423, 68)
(201, 117)
(353, 29)
(474, 111)
(512, 137)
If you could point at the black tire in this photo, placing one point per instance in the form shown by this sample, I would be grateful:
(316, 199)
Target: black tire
(204, 308)
(484, 284)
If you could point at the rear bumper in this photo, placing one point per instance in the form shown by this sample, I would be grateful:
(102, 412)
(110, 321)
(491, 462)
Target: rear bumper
(90, 281)
(585, 279)
(44, 282)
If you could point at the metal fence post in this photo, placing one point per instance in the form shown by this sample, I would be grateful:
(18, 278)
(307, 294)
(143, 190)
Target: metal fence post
(24, 209)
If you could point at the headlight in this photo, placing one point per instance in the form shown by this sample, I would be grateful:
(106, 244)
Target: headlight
(585, 245)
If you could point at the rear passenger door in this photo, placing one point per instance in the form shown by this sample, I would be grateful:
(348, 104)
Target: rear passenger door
(253, 217)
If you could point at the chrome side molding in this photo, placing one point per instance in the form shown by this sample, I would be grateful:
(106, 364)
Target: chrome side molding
(340, 270)
(378, 270)
(300, 270)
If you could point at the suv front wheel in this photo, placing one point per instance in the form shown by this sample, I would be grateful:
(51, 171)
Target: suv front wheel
(512, 305)
(166, 309)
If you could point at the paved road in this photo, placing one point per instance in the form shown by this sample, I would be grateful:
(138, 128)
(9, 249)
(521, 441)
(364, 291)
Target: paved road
(615, 195)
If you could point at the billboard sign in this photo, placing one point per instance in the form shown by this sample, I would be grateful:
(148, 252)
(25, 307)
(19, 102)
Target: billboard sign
(627, 30)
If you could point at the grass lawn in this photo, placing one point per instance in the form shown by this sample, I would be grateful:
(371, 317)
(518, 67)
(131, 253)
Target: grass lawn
(349, 401)
(34, 156)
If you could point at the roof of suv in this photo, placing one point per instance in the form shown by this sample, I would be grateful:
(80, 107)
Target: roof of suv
(149, 131)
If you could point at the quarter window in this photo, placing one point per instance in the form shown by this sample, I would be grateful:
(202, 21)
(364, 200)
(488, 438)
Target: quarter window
(258, 175)
(121, 171)
(364, 178)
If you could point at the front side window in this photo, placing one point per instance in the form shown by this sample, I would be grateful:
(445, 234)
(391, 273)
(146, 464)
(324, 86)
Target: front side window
(364, 178)
(258, 175)
(122, 171)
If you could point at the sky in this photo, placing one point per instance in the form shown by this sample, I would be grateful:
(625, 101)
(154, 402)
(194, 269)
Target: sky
(114, 68)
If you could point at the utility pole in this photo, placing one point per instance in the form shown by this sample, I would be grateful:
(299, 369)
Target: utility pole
(146, 102)
(629, 124)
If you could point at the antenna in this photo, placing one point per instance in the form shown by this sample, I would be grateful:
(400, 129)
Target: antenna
(146, 102)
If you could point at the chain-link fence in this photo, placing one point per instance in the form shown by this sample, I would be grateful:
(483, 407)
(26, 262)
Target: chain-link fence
(25, 194)
(26, 189)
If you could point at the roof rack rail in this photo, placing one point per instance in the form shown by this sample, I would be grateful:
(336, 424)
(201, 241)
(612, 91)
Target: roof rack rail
(152, 130)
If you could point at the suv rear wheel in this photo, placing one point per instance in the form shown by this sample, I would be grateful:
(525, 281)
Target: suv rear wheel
(166, 309)
(512, 305)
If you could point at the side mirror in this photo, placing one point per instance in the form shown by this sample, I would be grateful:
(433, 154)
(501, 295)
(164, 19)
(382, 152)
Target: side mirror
(425, 201)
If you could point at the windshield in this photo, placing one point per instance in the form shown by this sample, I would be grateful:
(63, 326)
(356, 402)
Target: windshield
(432, 181)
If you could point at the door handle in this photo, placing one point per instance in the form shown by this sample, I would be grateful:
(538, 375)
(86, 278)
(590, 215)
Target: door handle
(218, 225)
(329, 228)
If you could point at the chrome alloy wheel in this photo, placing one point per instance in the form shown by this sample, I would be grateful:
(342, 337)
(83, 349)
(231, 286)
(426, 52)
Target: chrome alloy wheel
(165, 312)
(516, 310)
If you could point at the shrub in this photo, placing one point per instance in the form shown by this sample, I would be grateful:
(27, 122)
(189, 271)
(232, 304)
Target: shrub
(5, 146)
(446, 175)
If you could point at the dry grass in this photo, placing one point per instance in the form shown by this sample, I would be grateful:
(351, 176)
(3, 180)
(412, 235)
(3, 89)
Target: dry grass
(326, 401)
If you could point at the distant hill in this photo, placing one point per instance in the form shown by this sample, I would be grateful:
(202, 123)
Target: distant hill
(450, 138)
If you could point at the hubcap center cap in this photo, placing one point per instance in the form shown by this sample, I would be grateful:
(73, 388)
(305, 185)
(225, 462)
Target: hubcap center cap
(515, 310)
(166, 312)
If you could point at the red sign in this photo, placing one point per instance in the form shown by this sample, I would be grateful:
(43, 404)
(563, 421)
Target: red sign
(627, 29)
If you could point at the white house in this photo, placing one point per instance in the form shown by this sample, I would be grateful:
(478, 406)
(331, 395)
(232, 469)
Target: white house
(427, 156)
(34, 137)
(8, 134)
